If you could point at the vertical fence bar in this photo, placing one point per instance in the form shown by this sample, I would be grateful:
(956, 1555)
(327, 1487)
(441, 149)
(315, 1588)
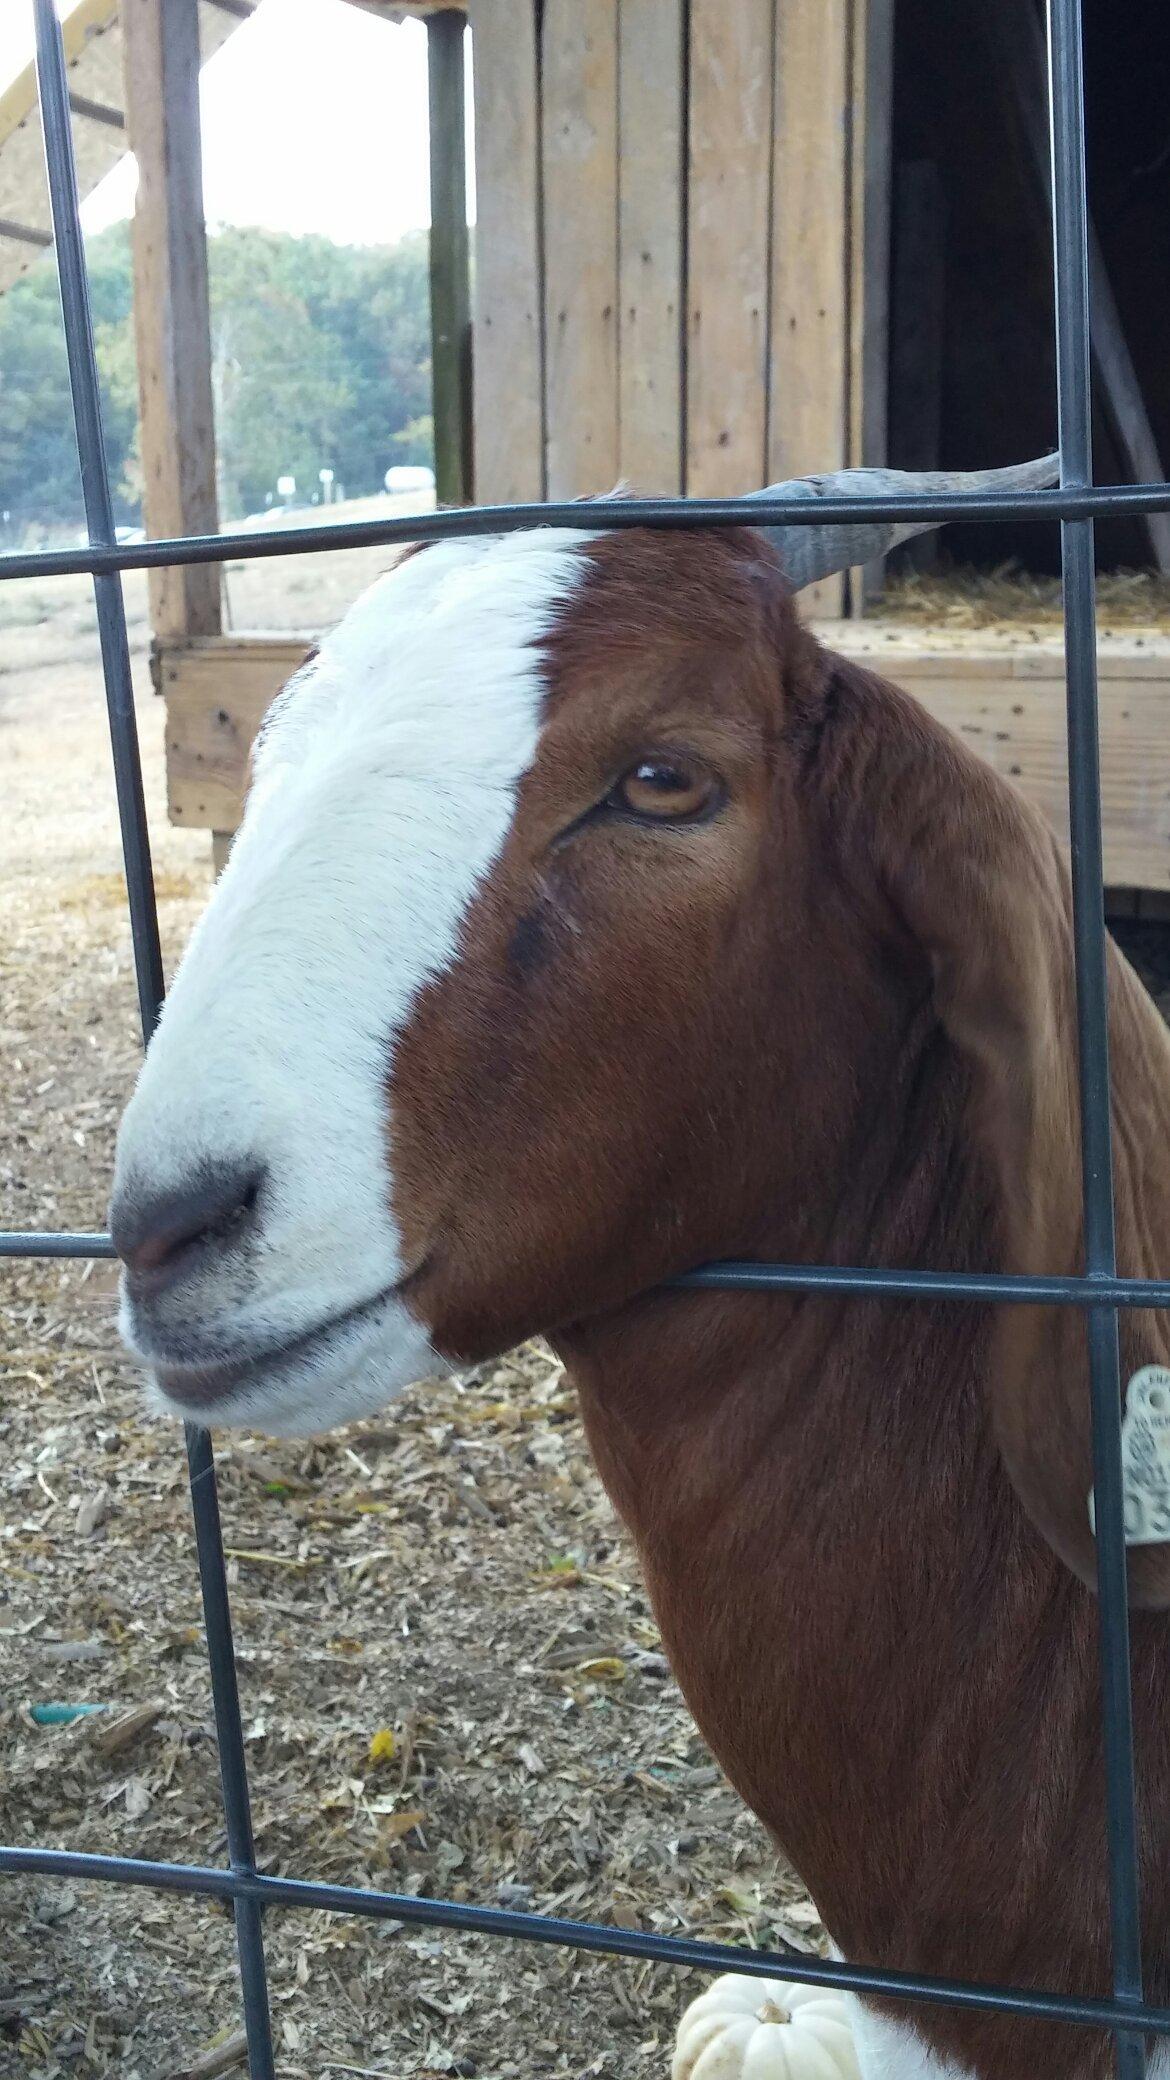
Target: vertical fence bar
(229, 1733)
(53, 89)
(1074, 405)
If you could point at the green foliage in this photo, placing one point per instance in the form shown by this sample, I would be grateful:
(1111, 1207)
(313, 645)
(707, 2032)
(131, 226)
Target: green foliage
(415, 443)
(320, 358)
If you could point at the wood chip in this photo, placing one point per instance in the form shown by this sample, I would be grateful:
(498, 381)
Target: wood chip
(92, 1510)
(73, 1649)
(220, 2059)
(116, 1734)
(273, 1475)
(137, 1798)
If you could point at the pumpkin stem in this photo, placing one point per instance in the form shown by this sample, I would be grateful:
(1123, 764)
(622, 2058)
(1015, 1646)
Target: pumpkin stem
(771, 2011)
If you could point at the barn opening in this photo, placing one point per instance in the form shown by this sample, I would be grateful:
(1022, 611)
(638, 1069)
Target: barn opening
(972, 374)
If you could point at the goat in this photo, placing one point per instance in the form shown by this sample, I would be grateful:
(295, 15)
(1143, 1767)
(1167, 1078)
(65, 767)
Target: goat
(589, 921)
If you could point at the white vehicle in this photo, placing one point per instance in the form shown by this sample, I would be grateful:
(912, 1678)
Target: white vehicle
(409, 476)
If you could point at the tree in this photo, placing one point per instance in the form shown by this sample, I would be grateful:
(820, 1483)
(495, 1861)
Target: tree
(320, 358)
(40, 483)
(321, 355)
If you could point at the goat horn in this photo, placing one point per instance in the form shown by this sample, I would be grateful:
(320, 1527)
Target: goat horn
(811, 552)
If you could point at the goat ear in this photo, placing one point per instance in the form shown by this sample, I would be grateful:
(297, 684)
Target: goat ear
(977, 881)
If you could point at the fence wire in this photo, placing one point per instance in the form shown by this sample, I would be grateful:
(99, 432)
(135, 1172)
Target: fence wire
(1100, 1292)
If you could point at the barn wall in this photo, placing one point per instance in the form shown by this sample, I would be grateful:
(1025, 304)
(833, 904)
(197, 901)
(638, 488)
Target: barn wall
(680, 258)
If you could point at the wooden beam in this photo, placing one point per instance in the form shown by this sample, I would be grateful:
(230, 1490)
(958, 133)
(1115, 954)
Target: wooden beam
(871, 115)
(24, 234)
(172, 326)
(651, 174)
(728, 186)
(871, 160)
(508, 359)
(579, 154)
(1001, 690)
(217, 691)
(808, 423)
(97, 111)
(449, 267)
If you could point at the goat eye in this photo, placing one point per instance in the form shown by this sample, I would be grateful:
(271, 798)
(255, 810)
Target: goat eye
(664, 790)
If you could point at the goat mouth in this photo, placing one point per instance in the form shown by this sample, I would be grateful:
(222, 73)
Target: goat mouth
(200, 1387)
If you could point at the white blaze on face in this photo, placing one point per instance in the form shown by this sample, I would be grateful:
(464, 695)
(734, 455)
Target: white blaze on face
(384, 788)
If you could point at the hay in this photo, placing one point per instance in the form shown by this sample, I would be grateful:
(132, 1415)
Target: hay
(967, 598)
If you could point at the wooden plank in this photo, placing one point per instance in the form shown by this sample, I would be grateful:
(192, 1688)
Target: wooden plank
(171, 320)
(728, 180)
(650, 250)
(1018, 725)
(808, 417)
(216, 694)
(870, 144)
(217, 691)
(450, 278)
(508, 358)
(579, 47)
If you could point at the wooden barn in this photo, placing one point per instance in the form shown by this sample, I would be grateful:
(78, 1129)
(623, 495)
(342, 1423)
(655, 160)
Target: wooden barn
(720, 243)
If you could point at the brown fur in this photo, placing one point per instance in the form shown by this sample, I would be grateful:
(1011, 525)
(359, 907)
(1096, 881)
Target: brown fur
(832, 1025)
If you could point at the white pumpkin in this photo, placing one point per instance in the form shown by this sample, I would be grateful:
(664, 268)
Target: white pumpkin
(765, 2029)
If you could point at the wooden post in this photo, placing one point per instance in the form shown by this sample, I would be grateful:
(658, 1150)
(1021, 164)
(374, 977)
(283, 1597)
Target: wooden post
(509, 325)
(870, 144)
(450, 278)
(160, 44)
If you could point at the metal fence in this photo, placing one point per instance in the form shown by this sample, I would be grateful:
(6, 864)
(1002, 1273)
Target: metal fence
(1099, 1292)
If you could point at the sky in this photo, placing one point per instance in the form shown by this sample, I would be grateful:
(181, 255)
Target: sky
(314, 117)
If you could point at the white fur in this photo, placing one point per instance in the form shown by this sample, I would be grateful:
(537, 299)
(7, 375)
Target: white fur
(891, 2050)
(384, 789)
(888, 2050)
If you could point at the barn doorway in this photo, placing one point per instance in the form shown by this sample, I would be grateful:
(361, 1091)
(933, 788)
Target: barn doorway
(972, 373)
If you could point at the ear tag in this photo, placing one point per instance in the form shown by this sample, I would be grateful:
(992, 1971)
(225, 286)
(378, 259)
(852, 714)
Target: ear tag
(1145, 1459)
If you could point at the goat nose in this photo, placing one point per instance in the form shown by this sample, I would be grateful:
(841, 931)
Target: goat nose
(157, 1234)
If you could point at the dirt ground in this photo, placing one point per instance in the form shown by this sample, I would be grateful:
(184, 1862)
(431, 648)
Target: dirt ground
(446, 1586)
(450, 1678)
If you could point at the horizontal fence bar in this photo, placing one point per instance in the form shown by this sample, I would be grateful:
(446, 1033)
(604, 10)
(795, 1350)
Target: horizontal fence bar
(48, 1245)
(600, 514)
(1010, 1288)
(562, 1934)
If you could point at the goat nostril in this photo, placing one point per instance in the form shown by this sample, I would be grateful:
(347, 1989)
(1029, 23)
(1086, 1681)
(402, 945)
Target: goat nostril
(156, 1235)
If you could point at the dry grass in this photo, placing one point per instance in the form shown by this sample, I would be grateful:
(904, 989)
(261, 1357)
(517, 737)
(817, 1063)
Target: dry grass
(988, 599)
